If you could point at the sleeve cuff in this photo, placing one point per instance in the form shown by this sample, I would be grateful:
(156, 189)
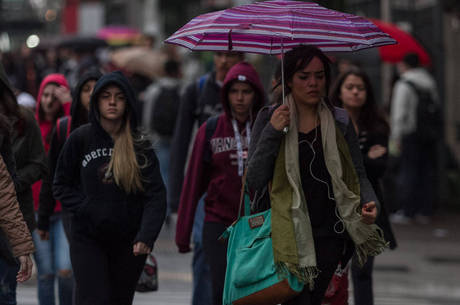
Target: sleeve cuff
(43, 223)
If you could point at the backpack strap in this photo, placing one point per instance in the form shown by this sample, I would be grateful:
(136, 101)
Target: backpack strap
(412, 85)
(419, 91)
(69, 120)
(199, 89)
(211, 125)
(200, 84)
(63, 128)
(58, 129)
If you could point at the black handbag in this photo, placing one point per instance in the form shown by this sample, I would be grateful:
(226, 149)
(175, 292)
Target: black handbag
(148, 280)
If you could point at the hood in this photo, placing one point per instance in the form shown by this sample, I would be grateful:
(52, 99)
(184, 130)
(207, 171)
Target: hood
(52, 78)
(243, 72)
(77, 108)
(116, 78)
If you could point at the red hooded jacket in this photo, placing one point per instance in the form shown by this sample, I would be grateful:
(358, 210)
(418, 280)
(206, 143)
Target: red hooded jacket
(46, 127)
(219, 175)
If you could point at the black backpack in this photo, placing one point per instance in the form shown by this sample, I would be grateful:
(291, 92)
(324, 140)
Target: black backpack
(165, 109)
(211, 125)
(429, 119)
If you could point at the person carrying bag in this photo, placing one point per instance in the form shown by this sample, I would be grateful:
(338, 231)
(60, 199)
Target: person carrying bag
(322, 204)
(251, 276)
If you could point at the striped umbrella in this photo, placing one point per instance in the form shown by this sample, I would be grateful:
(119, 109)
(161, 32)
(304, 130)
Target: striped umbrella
(273, 27)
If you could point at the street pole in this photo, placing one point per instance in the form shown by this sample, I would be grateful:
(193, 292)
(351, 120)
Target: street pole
(152, 20)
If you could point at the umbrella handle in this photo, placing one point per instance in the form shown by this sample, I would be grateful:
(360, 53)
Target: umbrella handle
(285, 129)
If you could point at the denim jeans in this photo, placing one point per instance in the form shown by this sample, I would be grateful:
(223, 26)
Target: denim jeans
(51, 257)
(8, 283)
(202, 289)
(162, 149)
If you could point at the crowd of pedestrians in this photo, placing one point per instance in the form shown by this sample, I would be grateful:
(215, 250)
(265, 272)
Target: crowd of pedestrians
(88, 181)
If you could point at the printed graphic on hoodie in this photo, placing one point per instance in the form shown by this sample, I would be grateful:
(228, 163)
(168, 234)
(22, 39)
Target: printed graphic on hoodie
(97, 153)
(225, 144)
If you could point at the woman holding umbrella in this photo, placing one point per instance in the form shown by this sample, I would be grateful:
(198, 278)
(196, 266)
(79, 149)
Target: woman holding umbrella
(322, 202)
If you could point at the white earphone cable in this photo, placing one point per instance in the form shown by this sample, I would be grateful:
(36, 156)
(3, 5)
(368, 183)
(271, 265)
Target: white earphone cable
(329, 195)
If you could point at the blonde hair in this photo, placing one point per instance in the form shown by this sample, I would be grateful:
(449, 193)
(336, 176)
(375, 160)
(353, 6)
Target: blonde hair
(123, 162)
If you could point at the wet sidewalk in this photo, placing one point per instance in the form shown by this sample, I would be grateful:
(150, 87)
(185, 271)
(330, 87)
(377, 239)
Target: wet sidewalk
(423, 270)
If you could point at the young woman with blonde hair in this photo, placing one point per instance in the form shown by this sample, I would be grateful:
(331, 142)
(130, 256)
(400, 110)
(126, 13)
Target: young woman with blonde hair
(108, 178)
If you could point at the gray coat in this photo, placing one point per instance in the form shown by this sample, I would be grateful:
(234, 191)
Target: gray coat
(265, 144)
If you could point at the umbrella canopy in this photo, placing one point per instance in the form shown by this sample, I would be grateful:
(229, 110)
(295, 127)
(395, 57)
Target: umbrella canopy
(406, 44)
(273, 27)
(82, 44)
(140, 60)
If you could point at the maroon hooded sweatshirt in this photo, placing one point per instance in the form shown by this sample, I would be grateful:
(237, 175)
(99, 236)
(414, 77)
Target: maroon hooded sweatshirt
(219, 175)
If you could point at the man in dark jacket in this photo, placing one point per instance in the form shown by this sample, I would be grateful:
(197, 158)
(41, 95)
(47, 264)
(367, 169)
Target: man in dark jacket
(200, 100)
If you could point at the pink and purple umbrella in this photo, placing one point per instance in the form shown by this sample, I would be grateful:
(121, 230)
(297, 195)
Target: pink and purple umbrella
(273, 27)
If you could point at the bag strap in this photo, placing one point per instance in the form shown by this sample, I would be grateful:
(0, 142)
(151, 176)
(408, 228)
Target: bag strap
(419, 91)
(243, 194)
(63, 128)
(58, 129)
(211, 125)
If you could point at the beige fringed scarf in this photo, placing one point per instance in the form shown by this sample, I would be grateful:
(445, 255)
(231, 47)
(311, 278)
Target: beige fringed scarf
(293, 245)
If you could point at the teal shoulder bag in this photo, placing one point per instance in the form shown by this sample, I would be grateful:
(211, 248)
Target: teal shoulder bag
(251, 278)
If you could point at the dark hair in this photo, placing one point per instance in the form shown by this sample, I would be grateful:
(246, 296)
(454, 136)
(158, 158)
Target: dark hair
(298, 58)
(5, 139)
(5, 127)
(412, 60)
(12, 110)
(371, 118)
(81, 116)
(172, 68)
